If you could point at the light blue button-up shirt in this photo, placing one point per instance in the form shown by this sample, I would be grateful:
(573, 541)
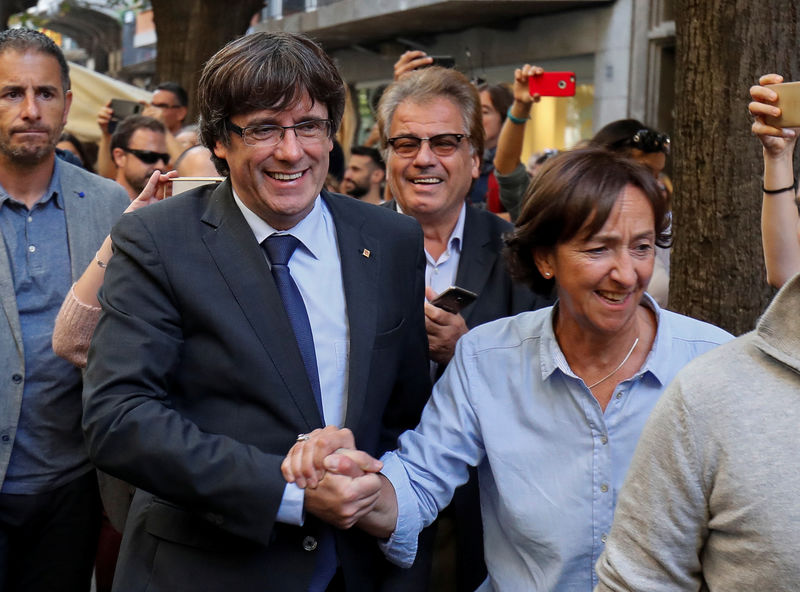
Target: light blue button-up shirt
(550, 461)
(317, 270)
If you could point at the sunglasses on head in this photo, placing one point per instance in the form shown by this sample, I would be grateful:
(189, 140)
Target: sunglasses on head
(649, 141)
(148, 156)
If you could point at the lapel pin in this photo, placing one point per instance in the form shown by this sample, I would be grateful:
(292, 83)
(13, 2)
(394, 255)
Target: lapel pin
(366, 253)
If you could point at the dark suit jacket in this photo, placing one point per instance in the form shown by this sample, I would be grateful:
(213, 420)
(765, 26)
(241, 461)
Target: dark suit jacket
(482, 269)
(195, 389)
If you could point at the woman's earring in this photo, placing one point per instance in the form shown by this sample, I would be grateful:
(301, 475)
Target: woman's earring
(547, 274)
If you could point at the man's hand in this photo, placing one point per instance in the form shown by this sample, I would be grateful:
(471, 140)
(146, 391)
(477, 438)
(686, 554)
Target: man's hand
(411, 60)
(443, 328)
(104, 117)
(305, 464)
(778, 142)
(342, 500)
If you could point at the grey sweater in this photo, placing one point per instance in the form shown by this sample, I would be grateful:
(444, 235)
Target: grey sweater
(712, 498)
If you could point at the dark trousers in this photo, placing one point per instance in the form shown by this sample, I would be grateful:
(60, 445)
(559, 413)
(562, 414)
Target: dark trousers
(48, 541)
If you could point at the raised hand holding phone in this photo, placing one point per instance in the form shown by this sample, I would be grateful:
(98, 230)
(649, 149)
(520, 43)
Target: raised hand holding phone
(552, 84)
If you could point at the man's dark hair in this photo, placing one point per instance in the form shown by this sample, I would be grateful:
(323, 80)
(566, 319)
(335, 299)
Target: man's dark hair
(177, 90)
(122, 135)
(373, 153)
(22, 40)
(264, 71)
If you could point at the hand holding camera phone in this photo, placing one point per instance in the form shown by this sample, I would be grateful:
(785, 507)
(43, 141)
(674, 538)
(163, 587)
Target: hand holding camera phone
(789, 104)
(552, 84)
(122, 108)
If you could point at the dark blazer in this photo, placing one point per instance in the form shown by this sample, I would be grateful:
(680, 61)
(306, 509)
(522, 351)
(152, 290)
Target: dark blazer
(195, 389)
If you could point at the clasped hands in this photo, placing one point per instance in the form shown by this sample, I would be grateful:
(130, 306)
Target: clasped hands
(342, 484)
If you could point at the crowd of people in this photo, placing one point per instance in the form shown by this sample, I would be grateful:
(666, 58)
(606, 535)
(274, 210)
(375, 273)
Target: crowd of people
(252, 386)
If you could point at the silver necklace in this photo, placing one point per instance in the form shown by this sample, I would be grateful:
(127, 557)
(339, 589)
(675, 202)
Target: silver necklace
(621, 364)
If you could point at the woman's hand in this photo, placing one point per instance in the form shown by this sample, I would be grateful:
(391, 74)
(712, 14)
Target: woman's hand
(521, 90)
(157, 188)
(778, 142)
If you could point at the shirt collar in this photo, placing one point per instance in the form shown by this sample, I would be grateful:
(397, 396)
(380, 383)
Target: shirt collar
(310, 230)
(457, 236)
(53, 190)
(658, 364)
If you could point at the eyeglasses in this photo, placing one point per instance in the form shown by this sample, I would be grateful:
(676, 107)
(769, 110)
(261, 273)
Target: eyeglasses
(440, 145)
(166, 106)
(148, 156)
(649, 141)
(306, 132)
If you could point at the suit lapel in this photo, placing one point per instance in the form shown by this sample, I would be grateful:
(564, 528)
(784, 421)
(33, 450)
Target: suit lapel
(361, 259)
(241, 262)
(80, 213)
(477, 258)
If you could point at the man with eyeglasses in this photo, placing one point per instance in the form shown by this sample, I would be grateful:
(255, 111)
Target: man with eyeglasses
(238, 318)
(431, 129)
(138, 149)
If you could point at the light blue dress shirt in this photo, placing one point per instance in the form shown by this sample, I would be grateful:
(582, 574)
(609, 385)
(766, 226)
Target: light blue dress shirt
(550, 461)
(317, 270)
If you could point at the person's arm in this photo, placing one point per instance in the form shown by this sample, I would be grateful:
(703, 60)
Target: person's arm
(80, 311)
(105, 165)
(661, 519)
(780, 222)
(431, 462)
(512, 134)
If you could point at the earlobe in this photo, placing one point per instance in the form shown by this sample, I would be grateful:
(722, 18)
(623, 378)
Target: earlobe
(543, 260)
(117, 155)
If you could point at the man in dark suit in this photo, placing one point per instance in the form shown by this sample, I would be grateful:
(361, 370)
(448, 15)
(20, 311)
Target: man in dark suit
(213, 353)
(432, 132)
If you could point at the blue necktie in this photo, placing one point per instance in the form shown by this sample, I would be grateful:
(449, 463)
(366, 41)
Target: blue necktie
(279, 249)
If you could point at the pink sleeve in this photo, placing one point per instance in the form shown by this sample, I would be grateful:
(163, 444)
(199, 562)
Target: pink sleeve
(74, 328)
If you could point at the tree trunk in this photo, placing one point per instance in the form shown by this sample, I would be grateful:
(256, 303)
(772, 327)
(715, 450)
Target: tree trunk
(723, 46)
(191, 31)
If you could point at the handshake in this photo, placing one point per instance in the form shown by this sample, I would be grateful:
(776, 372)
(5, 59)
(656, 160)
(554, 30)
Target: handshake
(342, 485)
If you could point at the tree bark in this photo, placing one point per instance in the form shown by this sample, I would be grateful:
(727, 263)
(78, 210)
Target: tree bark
(723, 46)
(191, 31)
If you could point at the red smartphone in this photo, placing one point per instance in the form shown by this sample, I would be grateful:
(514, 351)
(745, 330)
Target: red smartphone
(553, 84)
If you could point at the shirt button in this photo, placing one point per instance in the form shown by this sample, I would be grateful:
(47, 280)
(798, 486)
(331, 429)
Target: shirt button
(31, 249)
(16, 378)
(604, 537)
(604, 488)
(5, 437)
(309, 543)
(30, 218)
(604, 439)
(619, 395)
